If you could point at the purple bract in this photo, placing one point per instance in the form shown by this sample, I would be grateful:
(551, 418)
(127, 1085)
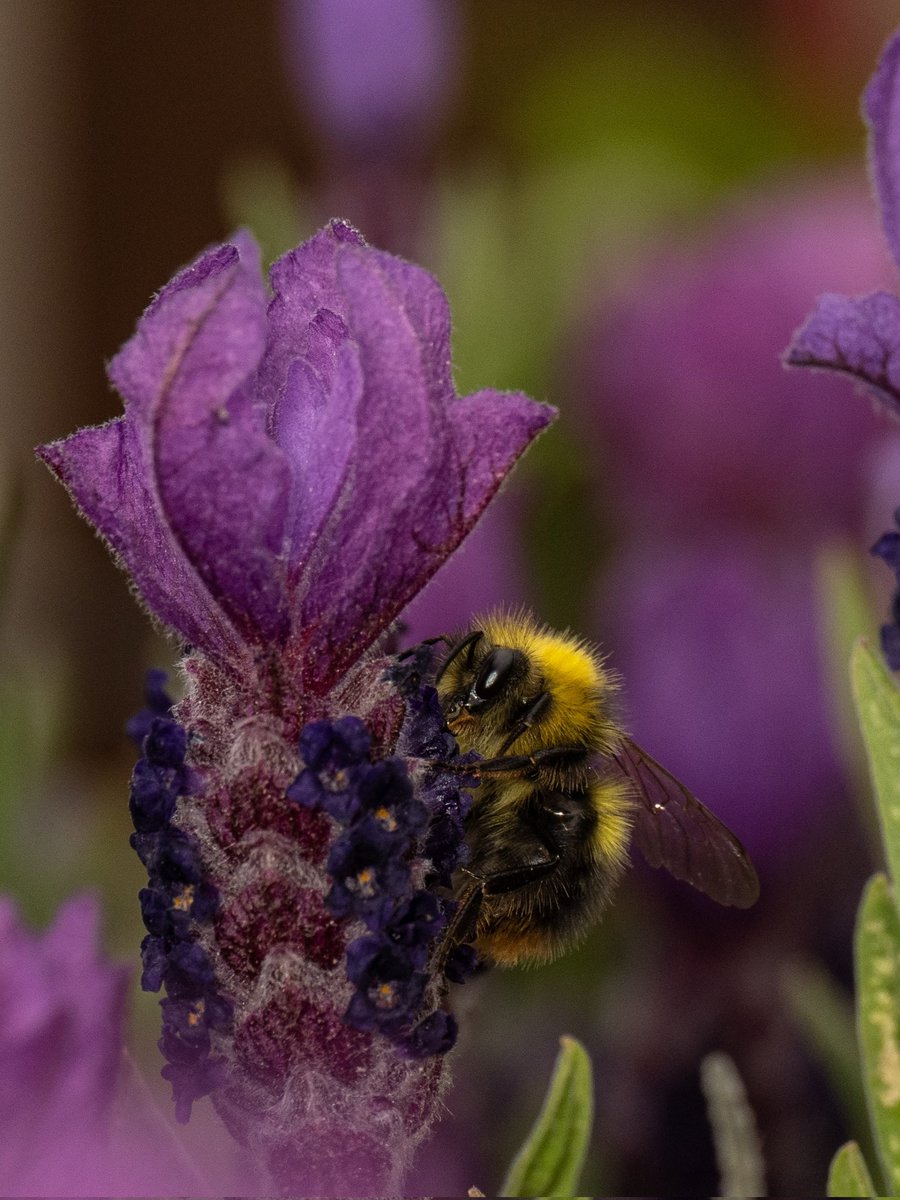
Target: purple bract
(287, 475)
(860, 336)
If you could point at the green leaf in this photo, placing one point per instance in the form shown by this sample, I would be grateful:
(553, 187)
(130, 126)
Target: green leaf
(849, 1175)
(845, 611)
(733, 1127)
(550, 1161)
(825, 1015)
(878, 1014)
(878, 708)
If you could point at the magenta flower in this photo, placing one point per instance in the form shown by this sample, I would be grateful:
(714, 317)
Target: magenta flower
(62, 1008)
(285, 478)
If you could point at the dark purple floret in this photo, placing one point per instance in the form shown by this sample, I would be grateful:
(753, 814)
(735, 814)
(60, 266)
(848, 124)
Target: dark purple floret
(366, 863)
(177, 902)
(185, 1035)
(389, 989)
(415, 921)
(334, 745)
(166, 743)
(386, 794)
(192, 1080)
(410, 669)
(154, 794)
(888, 548)
(389, 823)
(435, 1035)
(188, 971)
(164, 913)
(157, 703)
(890, 644)
(153, 957)
(169, 854)
(460, 963)
(160, 776)
(426, 734)
(336, 754)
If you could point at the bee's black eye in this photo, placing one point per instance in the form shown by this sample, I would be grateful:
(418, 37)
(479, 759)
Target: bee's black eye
(494, 673)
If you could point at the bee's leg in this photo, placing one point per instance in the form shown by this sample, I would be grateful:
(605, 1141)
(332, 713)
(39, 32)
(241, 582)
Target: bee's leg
(464, 922)
(527, 719)
(523, 764)
(518, 877)
(526, 764)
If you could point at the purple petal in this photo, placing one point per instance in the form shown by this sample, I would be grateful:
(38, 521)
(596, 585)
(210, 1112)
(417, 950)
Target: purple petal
(419, 464)
(187, 488)
(882, 108)
(104, 469)
(857, 336)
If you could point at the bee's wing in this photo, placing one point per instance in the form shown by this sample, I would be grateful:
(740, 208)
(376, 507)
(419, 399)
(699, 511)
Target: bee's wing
(674, 830)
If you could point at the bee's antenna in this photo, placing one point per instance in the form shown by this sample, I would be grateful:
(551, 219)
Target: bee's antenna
(468, 642)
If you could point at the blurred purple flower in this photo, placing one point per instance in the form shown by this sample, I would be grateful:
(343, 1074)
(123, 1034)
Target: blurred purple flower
(728, 472)
(285, 479)
(861, 336)
(76, 1118)
(376, 74)
(62, 1015)
(691, 400)
(718, 647)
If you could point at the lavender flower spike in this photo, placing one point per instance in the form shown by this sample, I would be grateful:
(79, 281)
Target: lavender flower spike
(860, 336)
(285, 478)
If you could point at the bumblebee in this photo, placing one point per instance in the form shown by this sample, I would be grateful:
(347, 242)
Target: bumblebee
(562, 793)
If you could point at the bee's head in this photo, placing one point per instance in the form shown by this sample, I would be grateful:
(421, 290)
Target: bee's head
(482, 686)
(511, 685)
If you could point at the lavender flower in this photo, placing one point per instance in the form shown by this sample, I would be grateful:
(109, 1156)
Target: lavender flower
(285, 478)
(860, 336)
